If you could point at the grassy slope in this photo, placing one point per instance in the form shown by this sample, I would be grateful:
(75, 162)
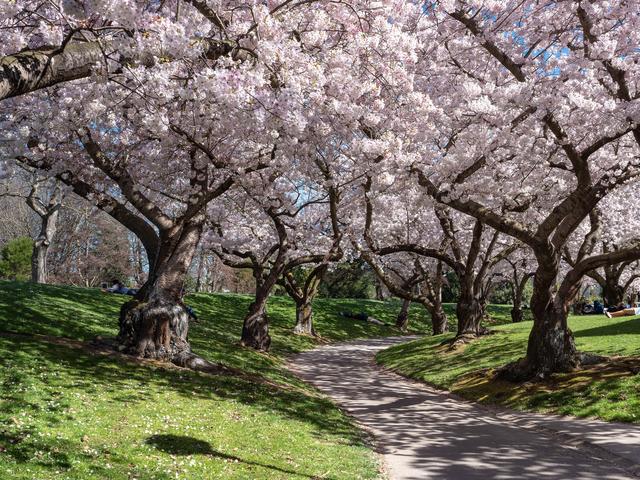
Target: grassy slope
(67, 414)
(607, 393)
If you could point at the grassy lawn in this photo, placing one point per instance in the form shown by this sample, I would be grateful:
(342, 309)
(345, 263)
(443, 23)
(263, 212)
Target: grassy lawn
(66, 413)
(609, 392)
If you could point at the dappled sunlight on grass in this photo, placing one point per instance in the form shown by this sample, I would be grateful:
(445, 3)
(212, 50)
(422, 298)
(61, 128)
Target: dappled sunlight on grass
(65, 413)
(609, 392)
(82, 313)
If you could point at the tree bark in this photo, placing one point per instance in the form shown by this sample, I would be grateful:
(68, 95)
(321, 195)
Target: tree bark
(201, 271)
(303, 296)
(439, 321)
(255, 328)
(156, 323)
(469, 312)
(48, 227)
(516, 312)
(613, 294)
(48, 214)
(31, 70)
(402, 321)
(304, 318)
(39, 260)
(551, 347)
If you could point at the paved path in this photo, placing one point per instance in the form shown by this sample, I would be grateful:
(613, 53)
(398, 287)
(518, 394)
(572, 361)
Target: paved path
(425, 434)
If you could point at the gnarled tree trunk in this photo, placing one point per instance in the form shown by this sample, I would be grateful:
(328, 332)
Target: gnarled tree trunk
(469, 312)
(156, 324)
(551, 347)
(303, 296)
(613, 294)
(255, 329)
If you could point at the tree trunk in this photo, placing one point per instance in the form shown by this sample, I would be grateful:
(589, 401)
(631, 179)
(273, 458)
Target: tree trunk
(255, 329)
(156, 323)
(469, 312)
(402, 320)
(48, 227)
(516, 312)
(613, 294)
(156, 327)
(380, 291)
(201, 272)
(39, 261)
(439, 321)
(551, 347)
(304, 318)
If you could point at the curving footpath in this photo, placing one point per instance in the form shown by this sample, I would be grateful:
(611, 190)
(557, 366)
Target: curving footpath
(424, 433)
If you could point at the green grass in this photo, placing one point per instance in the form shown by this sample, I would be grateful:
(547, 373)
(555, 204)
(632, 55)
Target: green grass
(82, 314)
(607, 392)
(66, 413)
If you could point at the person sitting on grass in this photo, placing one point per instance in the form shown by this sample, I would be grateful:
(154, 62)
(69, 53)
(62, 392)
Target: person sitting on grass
(362, 317)
(118, 287)
(622, 312)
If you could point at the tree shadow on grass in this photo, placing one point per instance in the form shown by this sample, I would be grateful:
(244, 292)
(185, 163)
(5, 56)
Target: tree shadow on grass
(74, 312)
(106, 374)
(629, 327)
(24, 446)
(183, 445)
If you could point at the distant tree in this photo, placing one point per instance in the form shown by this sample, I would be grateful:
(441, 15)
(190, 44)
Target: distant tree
(45, 199)
(451, 288)
(348, 280)
(15, 262)
(90, 248)
(501, 294)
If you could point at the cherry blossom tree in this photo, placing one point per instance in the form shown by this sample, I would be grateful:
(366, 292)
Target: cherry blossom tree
(413, 279)
(617, 226)
(520, 269)
(432, 231)
(535, 120)
(185, 99)
(273, 233)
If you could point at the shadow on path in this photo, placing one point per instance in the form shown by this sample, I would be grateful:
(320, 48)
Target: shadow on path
(428, 434)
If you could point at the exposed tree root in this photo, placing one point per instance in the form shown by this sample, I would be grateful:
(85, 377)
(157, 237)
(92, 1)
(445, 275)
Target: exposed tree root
(460, 341)
(587, 359)
(486, 383)
(521, 371)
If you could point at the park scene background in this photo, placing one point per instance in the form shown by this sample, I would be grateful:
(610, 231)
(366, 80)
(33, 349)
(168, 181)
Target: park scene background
(319, 239)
